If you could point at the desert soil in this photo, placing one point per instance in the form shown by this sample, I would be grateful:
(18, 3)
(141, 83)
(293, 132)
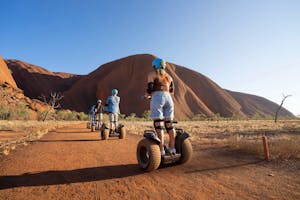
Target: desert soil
(73, 163)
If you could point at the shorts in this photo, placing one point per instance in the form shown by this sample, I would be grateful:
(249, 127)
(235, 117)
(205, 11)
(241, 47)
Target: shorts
(113, 117)
(99, 117)
(161, 105)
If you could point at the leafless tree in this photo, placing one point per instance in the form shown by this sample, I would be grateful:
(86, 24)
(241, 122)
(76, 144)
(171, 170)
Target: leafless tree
(280, 106)
(52, 101)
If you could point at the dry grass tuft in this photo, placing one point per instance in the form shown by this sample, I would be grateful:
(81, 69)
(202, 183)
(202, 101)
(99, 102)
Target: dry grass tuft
(283, 137)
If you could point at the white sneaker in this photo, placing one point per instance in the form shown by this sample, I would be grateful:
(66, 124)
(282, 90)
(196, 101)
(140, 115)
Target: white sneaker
(172, 151)
(162, 152)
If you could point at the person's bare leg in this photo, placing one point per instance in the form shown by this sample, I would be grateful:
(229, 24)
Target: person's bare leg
(172, 135)
(116, 121)
(160, 134)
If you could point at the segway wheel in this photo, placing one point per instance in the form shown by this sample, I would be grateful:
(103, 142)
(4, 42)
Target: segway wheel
(88, 125)
(105, 134)
(148, 155)
(186, 151)
(122, 133)
(93, 128)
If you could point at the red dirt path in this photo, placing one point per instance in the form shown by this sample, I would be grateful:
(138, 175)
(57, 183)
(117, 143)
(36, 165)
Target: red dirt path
(73, 163)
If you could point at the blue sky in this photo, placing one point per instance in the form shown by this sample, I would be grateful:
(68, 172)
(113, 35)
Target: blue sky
(250, 46)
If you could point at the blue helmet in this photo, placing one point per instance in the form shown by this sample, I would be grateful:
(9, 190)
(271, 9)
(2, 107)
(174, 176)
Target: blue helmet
(158, 63)
(114, 91)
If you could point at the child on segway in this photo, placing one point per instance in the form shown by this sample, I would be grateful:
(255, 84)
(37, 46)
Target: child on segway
(159, 89)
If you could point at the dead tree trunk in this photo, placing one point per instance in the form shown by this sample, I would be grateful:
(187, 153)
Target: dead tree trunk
(280, 106)
(52, 101)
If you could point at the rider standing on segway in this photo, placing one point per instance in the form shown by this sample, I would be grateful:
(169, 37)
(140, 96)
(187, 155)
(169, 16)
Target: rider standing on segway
(112, 107)
(160, 88)
(99, 112)
(92, 114)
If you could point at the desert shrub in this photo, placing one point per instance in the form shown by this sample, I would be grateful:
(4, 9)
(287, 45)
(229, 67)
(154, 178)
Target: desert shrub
(22, 113)
(82, 116)
(199, 117)
(134, 117)
(146, 114)
(238, 117)
(256, 116)
(42, 114)
(66, 115)
(279, 147)
(218, 117)
(131, 117)
(4, 113)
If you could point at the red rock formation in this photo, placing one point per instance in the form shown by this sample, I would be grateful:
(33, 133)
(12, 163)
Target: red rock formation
(37, 81)
(194, 92)
(5, 75)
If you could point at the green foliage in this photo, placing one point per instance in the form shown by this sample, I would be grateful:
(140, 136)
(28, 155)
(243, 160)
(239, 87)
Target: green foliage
(66, 115)
(21, 113)
(131, 117)
(237, 117)
(41, 115)
(4, 113)
(83, 116)
(146, 114)
(199, 117)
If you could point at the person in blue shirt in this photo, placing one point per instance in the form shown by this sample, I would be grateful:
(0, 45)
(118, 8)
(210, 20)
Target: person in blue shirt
(112, 107)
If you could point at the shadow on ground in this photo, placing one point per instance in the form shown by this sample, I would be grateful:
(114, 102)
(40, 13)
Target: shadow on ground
(69, 176)
(80, 140)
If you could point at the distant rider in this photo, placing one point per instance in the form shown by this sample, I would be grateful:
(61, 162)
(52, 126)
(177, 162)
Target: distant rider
(92, 113)
(112, 107)
(162, 106)
(99, 112)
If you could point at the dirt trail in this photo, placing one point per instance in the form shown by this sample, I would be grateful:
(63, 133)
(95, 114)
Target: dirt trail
(73, 163)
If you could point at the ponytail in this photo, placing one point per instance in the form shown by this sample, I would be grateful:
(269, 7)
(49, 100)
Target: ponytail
(161, 71)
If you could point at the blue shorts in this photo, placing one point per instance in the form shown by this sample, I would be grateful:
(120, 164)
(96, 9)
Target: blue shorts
(161, 105)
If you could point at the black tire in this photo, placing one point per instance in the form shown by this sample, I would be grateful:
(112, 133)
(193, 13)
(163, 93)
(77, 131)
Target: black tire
(122, 133)
(186, 151)
(105, 134)
(148, 155)
(93, 128)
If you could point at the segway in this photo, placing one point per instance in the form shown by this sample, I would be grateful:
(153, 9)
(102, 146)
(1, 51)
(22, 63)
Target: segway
(148, 150)
(89, 123)
(106, 133)
(93, 123)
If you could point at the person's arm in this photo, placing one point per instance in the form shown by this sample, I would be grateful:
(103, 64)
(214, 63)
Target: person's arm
(119, 112)
(172, 87)
(150, 85)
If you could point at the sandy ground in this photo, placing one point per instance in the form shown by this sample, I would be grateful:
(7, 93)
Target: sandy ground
(73, 163)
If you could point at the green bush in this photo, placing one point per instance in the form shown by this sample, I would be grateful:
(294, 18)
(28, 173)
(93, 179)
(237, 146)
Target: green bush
(21, 113)
(4, 113)
(83, 116)
(146, 114)
(65, 115)
(199, 117)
